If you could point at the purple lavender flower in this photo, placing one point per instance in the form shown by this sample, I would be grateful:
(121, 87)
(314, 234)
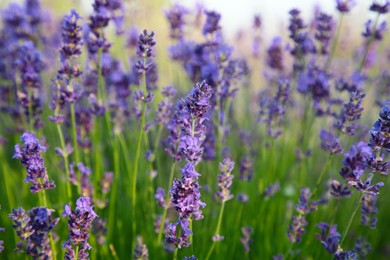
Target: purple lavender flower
(79, 224)
(271, 190)
(225, 179)
(242, 197)
(380, 9)
(351, 111)
(355, 162)
(33, 229)
(296, 228)
(369, 210)
(246, 237)
(99, 229)
(330, 142)
(362, 247)
(86, 185)
(375, 33)
(185, 193)
(141, 251)
(329, 237)
(1, 241)
(190, 258)
(175, 16)
(339, 190)
(212, 22)
(345, 6)
(71, 38)
(324, 26)
(275, 54)
(246, 169)
(31, 159)
(159, 197)
(105, 182)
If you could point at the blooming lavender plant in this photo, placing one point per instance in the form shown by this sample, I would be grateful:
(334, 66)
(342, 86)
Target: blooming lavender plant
(33, 229)
(79, 224)
(30, 155)
(185, 194)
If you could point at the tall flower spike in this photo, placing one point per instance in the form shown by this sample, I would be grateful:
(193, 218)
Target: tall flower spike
(225, 179)
(79, 224)
(33, 229)
(31, 159)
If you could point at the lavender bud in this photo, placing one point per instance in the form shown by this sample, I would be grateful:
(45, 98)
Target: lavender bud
(246, 237)
(141, 251)
(160, 197)
(225, 179)
(212, 22)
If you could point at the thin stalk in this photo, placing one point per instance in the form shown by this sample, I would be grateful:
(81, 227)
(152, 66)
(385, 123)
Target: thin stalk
(30, 110)
(164, 215)
(114, 189)
(334, 43)
(52, 244)
(369, 41)
(321, 176)
(217, 230)
(138, 153)
(351, 219)
(74, 133)
(68, 188)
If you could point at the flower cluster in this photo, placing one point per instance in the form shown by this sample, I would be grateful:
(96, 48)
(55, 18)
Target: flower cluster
(30, 155)
(140, 251)
(225, 179)
(330, 142)
(185, 194)
(79, 224)
(33, 229)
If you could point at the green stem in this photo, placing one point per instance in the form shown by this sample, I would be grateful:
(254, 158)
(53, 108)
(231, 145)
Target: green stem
(114, 190)
(164, 215)
(321, 176)
(217, 230)
(175, 253)
(74, 133)
(351, 219)
(369, 41)
(68, 188)
(30, 110)
(52, 244)
(334, 43)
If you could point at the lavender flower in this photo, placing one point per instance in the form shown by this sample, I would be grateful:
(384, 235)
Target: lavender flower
(175, 16)
(99, 229)
(185, 194)
(225, 179)
(105, 182)
(86, 185)
(271, 190)
(380, 141)
(355, 162)
(362, 247)
(159, 197)
(296, 229)
(352, 111)
(275, 54)
(246, 169)
(31, 159)
(242, 197)
(330, 242)
(79, 224)
(345, 6)
(339, 190)
(33, 229)
(140, 251)
(369, 210)
(246, 237)
(190, 258)
(330, 142)
(324, 28)
(380, 9)
(1, 241)
(212, 22)
(375, 33)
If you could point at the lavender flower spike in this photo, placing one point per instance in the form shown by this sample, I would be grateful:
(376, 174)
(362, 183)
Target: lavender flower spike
(33, 229)
(225, 179)
(141, 251)
(330, 142)
(1, 241)
(79, 224)
(31, 159)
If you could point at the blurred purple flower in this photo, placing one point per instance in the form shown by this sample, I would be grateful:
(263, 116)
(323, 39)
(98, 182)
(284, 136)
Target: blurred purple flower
(246, 237)
(225, 179)
(31, 159)
(141, 251)
(175, 16)
(330, 142)
(212, 22)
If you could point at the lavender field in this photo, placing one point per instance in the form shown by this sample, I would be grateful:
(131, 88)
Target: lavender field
(146, 130)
